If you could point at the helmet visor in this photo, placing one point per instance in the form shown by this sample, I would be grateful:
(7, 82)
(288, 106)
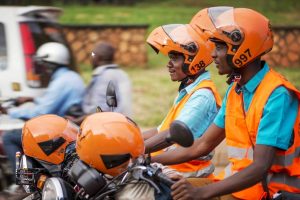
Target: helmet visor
(179, 39)
(221, 16)
(227, 29)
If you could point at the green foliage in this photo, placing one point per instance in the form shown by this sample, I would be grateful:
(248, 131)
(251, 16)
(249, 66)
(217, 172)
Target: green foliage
(153, 91)
(157, 12)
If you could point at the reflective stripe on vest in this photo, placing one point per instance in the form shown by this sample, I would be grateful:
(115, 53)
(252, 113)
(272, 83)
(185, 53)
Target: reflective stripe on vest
(202, 173)
(287, 160)
(197, 164)
(240, 153)
(284, 178)
(228, 170)
(282, 160)
(239, 129)
(201, 158)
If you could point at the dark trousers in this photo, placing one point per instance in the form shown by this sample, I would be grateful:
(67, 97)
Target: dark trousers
(12, 142)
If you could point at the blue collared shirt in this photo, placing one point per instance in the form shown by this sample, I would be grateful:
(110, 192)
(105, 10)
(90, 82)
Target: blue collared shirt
(65, 89)
(200, 109)
(279, 115)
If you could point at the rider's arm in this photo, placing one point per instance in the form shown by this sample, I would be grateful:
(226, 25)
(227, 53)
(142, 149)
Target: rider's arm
(22, 100)
(281, 108)
(149, 133)
(156, 142)
(262, 161)
(201, 147)
(197, 118)
(63, 91)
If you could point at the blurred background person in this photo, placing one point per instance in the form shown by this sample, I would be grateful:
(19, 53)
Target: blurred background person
(66, 88)
(104, 71)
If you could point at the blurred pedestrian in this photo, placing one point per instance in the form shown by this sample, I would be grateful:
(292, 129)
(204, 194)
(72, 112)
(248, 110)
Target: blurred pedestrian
(65, 89)
(104, 71)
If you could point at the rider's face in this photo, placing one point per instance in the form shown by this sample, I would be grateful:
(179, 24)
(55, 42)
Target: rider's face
(175, 66)
(219, 55)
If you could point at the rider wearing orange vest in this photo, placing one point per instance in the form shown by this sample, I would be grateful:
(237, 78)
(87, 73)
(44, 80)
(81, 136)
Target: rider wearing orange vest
(259, 117)
(284, 173)
(189, 56)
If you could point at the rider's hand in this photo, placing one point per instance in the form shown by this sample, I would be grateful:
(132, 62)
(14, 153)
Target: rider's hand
(75, 120)
(22, 100)
(171, 173)
(3, 110)
(183, 190)
(175, 176)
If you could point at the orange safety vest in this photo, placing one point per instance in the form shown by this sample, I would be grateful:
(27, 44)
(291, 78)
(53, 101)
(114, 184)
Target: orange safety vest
(194, 165)
(285, 171)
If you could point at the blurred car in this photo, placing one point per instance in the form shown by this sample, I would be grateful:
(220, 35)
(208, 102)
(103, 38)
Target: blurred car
(22, 31)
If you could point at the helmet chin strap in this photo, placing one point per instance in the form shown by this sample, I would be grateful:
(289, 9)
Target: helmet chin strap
(183, 83)
(189, 78)
(233, 77)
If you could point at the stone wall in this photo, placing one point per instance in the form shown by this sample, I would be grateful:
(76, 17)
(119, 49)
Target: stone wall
(286, 49)
(129, 41)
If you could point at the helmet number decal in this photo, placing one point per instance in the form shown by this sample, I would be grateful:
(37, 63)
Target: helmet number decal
(244, 57)
(198, 66)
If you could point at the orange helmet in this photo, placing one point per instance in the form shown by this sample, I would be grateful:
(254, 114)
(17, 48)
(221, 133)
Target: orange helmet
(246, 32)
(107, 141)
(45, 138)
(182, 38)
(202, 23)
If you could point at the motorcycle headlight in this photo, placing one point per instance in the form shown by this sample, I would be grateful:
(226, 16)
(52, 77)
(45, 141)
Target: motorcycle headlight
(27, 173)
(56, 188)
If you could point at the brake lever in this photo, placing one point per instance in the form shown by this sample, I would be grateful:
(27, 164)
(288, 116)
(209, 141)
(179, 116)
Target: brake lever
(142, 177)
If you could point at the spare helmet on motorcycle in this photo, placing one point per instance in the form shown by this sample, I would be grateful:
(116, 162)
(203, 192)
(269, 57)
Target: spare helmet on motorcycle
(246, 33)
(182, 38)
(53, 52)
(46, 138)
(107, 141)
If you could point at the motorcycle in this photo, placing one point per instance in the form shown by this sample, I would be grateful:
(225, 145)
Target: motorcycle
(37, 163)
(49, 151)
(7, 124)
(93, 184)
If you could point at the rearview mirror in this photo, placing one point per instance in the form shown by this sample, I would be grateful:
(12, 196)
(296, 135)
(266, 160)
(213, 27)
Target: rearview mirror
(180, 134)
(111, 98)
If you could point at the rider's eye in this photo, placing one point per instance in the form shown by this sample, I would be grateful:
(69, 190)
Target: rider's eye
(174, 56)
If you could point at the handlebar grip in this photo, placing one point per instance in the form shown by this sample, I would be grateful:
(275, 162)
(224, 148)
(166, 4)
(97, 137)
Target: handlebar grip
(164, 179)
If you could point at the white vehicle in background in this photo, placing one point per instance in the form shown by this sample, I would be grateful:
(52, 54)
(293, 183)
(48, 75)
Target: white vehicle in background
(22, 31)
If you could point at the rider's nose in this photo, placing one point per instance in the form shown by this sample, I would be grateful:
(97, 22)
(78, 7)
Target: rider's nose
(169, 64)
(213, 53)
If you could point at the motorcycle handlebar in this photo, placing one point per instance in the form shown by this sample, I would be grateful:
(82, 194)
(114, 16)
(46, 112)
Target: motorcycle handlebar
(163, 178)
